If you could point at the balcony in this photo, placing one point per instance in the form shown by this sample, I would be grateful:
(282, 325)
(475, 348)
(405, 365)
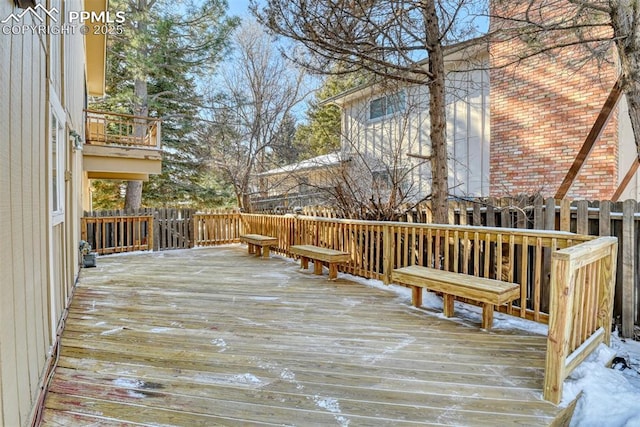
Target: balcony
(121, 146)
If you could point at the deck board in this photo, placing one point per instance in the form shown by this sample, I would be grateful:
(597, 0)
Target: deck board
(214, 337)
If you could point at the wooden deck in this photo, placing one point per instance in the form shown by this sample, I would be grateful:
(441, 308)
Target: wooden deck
(212, 336)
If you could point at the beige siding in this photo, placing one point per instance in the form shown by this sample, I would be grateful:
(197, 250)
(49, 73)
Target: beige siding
(408, 132)
(628, 152)
(38, 262)
(23, 262)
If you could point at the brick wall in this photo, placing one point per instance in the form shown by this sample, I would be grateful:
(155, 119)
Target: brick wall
(542, 109)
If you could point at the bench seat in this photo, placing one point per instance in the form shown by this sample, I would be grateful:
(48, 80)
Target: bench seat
(330, 256)
(257, 244)
(488, 292)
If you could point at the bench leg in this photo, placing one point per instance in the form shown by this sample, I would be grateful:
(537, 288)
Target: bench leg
(317, 267)
(258, 250)
(265, 252)
(251, 249)
(333, 271)
(448, 306)
(487, 316)
(304, 262)
(416, 296)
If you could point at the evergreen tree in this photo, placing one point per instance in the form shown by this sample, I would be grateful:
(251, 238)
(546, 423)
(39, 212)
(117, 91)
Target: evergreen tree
(153, 69)
(321, 134)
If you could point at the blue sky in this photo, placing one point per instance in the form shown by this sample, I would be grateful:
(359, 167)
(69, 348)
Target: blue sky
(238, 7)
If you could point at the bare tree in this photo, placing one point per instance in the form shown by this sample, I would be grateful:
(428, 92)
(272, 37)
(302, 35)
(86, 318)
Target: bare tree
(389, 39)
(376, 179)
(258, 90)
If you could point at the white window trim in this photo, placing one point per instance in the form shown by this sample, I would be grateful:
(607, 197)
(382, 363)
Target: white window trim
(56, 110)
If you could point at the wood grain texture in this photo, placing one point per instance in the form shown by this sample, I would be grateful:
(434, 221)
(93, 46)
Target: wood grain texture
(182, 338)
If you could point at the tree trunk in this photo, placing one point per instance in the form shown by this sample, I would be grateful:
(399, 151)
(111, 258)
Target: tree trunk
(437, 114)
(627, 39)
(133, 198)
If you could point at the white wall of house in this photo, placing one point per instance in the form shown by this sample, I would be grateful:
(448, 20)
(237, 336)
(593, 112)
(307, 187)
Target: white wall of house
(402, 137)
(628, 152)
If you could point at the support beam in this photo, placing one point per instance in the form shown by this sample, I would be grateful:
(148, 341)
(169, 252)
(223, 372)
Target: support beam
(592, 138)
(625, 181)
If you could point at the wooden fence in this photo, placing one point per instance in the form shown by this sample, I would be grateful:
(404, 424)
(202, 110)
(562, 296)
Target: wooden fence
(603, 218)
(595, 218)
(521, 256)
(217, 228)
(112, 234)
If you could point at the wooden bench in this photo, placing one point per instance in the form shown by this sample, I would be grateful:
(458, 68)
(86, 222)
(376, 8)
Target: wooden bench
(320, 255)
(489, 292)
(257, 244)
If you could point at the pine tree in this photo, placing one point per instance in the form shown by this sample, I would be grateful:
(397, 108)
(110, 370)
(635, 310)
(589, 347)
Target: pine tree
(153, 70)
(321, 134)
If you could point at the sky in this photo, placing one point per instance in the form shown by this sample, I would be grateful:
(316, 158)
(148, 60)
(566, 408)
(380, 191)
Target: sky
(238, 7)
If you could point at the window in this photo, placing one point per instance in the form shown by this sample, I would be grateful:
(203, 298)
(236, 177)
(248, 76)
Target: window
(386, 105)
(57, 151)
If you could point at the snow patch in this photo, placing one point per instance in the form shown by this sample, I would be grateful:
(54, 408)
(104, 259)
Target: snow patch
(127, 383)
(327, 403)
(332, 405)
(388, 350)
(260, 298)
(287, 375)
(113, 331)
(220, 343)
(159, 330)
(248, 380)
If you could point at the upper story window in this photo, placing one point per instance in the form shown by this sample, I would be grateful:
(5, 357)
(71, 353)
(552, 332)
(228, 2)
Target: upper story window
(387, 105)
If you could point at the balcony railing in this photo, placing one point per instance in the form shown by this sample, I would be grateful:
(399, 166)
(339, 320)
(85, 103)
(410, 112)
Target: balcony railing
(122, 130)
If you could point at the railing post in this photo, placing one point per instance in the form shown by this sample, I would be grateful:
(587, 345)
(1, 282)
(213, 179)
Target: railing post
(83, 229)
(607, 289)
(150, 233)
(387, 257)
(561, 311)
(158, 135)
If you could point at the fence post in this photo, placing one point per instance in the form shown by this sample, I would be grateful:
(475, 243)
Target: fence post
(155, 230)
(628, 256)
(150, 232)
(562, 288)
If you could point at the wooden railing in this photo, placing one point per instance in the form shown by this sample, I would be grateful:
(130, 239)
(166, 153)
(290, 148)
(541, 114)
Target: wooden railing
(212, 229)
(566, 280)
(582, 284)
(515, 255)
(125, 130)
(108, 235)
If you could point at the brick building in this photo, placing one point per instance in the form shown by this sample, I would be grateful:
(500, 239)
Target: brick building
(542, 109)
(513, 128)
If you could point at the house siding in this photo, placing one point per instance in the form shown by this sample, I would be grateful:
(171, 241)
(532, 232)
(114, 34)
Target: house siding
(542, 109)
(467, 101)
(38, 264)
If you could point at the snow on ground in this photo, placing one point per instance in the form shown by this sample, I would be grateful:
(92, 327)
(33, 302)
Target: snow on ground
(610, 396)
